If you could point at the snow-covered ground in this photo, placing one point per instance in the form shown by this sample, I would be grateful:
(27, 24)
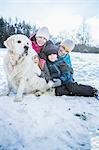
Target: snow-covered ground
(49, 122)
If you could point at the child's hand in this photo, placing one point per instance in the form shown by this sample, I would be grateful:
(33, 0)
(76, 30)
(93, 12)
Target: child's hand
(57, 82)
(36, 59)
(42, 63)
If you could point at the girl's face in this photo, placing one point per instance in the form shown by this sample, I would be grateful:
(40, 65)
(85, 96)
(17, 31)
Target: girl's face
(52, 57)
(62, 51)
(41, 41)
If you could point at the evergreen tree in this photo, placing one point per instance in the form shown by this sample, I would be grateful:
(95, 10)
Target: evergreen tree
(3, 33)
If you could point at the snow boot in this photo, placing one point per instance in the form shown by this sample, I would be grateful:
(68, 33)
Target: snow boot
(96, 94)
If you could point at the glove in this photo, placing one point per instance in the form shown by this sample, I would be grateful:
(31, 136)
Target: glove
(57, 82)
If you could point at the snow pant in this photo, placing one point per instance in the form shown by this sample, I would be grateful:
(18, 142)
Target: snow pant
(75, 89)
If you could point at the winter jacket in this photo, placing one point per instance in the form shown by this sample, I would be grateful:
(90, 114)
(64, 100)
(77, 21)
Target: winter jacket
(41, 50)
(36, 47)
(60, 70)
(67, 59)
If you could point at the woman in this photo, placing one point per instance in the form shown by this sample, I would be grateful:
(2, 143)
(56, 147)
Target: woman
(39, 42)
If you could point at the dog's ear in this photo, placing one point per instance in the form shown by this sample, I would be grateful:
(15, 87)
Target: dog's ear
(9, 42)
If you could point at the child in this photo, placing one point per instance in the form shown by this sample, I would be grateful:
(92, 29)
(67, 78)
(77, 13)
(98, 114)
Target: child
(39, 42)
(61, 74)
(65, 48)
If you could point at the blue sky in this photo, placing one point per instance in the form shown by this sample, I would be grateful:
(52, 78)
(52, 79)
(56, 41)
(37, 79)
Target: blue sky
(56, 14)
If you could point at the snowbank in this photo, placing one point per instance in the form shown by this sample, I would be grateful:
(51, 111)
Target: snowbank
(49, 122)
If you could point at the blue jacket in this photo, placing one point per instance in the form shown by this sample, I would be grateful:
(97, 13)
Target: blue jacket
(60, 70)
(67, 59)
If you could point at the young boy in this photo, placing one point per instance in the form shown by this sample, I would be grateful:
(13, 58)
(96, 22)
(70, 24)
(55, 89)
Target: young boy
(65, 47)
(61, 74)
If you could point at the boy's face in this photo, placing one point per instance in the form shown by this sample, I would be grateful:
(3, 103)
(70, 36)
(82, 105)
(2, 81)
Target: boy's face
(52, 57)
(62, 51)
(41, 41)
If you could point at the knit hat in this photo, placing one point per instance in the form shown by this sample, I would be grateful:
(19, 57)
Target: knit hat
(68, 45)
(51, 49)
(43, 32)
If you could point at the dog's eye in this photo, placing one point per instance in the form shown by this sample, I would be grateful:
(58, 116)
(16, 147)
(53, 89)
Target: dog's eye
(27, 43)
(19, 41)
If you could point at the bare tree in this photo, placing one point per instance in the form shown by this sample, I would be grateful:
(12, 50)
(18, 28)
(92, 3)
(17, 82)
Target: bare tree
(83, 34)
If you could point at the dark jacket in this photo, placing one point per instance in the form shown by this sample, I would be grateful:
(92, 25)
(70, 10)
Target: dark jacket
(43, 53)
(60, 70)
(44, 49)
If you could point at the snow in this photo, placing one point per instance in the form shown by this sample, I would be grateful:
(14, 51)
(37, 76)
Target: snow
(50, 122)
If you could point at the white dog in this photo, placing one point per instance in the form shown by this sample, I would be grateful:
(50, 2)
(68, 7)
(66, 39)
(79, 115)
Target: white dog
(21, 70)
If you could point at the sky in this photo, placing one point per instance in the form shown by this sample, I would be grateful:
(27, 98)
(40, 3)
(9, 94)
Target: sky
(57, 15)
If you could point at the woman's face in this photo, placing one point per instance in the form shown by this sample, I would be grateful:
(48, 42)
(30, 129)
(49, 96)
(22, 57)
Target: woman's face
(52, 57)
(62, 51)
(41, 41)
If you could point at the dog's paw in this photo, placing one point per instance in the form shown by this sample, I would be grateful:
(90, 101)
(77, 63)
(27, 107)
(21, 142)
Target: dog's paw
(38, 93)
(4, 93)
(18, 99)
(50, 84)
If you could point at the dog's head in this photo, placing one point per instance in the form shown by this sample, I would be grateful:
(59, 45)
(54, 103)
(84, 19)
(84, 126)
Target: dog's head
(20, 47)
(19, 44)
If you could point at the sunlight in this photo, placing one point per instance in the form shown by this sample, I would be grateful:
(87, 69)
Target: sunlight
(60, 21)
(94, 25)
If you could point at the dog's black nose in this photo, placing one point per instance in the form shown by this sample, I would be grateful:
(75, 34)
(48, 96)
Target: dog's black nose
(26, 49)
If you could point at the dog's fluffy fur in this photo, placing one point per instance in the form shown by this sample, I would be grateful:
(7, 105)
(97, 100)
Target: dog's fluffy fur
(22, 72)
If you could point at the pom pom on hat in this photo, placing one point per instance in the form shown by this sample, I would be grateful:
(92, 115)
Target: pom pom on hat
(68, 45)
(43, 32)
